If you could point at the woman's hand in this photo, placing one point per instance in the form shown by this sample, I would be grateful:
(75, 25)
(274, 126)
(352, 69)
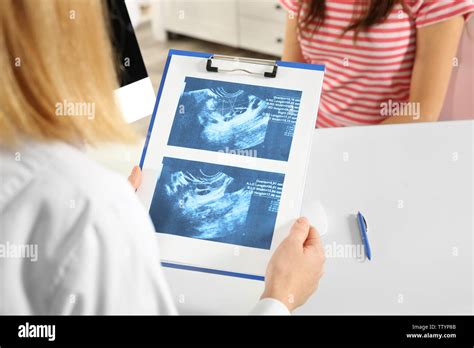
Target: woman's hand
(135, 177)
(296, 266)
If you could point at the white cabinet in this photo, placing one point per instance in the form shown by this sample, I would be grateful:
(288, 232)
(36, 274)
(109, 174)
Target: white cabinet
(211, 20)
(266, 10)
(251, 24)
(261, 26)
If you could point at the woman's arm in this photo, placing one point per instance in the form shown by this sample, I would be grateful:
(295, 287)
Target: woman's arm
(436, 47)
(292, 49)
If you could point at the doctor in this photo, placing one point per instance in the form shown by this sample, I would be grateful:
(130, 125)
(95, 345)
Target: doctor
(96, 248)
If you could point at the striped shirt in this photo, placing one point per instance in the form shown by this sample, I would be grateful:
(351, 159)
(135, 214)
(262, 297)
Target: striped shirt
(374, 71)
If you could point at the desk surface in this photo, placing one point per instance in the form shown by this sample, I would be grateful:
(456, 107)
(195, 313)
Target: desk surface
(414, 185)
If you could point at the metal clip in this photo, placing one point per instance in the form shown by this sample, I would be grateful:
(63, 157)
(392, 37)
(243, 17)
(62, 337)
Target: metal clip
(265, 62)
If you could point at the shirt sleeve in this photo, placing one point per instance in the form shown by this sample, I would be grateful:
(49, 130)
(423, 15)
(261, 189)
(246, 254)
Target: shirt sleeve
(270, 306)
(429, 12)
(291, 5)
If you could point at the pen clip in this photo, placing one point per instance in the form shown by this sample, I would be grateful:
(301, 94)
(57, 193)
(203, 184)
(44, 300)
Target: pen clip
(365, 222)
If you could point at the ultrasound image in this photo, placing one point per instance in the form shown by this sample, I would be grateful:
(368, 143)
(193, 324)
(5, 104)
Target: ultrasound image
(216, 202)
(225, 116)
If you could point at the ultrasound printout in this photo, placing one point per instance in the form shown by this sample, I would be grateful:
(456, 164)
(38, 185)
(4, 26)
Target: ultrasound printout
(216, 202)
(236, 118)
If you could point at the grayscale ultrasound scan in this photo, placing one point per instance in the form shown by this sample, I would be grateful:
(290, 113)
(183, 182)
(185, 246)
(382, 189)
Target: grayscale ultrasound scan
(216, 202)
(232, 117)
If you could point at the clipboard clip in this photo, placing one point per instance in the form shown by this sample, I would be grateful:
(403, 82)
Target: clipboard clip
(271, 63)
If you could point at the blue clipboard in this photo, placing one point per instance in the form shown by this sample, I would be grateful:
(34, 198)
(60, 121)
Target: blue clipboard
(209, 56)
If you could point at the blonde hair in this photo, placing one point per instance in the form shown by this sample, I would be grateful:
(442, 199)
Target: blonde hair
(56, 58)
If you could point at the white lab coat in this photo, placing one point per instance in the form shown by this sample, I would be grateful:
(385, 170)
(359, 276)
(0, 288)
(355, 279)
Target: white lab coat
(96, 252)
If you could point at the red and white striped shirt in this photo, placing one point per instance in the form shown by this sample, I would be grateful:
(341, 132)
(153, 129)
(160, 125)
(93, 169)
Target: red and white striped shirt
(362, 76)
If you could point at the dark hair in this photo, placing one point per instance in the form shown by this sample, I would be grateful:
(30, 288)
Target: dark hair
(375, 12)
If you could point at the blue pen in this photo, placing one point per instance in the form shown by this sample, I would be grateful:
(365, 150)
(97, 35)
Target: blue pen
(363, 233)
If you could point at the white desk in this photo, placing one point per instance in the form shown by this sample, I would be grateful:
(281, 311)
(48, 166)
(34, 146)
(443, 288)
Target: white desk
(414, 184)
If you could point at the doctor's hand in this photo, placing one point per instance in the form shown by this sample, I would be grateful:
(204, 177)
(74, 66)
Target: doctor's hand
(296, 266)
(135, 177)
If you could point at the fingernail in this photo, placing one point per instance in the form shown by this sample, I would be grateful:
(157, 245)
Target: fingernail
(302, 220)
